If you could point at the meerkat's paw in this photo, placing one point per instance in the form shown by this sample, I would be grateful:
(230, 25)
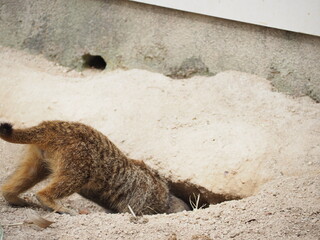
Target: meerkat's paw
(69, 211)
(14, 200)
(54, 206)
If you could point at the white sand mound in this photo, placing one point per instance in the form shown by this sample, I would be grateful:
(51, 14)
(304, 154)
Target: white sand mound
(229, 133)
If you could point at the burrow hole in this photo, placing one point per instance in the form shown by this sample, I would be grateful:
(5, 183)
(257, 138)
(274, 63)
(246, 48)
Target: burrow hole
(189, 192)
(93, 61)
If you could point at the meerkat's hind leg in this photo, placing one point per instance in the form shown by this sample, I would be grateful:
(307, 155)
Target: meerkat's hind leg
(30, 171)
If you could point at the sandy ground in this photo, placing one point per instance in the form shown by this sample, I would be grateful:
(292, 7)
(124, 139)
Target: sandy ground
(229, 133)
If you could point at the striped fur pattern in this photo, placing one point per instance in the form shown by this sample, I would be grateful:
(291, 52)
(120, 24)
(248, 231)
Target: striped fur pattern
(80, 159)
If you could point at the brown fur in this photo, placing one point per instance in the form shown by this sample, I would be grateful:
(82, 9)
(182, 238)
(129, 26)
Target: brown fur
(79, 159)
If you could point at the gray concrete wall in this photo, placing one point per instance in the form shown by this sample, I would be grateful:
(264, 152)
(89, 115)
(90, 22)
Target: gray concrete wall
(133, 35)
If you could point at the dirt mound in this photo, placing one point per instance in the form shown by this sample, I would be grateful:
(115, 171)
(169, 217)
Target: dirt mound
(222, 136)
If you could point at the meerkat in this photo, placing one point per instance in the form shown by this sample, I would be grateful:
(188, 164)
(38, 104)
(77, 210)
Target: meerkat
(80, 159)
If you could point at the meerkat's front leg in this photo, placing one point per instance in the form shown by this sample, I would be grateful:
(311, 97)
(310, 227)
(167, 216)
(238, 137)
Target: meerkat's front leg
(61, 186)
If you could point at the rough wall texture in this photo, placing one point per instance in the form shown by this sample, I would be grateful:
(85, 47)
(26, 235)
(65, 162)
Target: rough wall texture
(178, 44)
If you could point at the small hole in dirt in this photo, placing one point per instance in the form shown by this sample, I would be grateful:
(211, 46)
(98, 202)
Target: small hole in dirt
(189, 192)
(93, 61)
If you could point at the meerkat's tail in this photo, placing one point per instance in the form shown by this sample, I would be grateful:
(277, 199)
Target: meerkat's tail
(22, 136)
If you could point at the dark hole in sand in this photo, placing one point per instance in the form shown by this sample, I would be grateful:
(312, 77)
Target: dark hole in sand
(94, 61)
(193, 194)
